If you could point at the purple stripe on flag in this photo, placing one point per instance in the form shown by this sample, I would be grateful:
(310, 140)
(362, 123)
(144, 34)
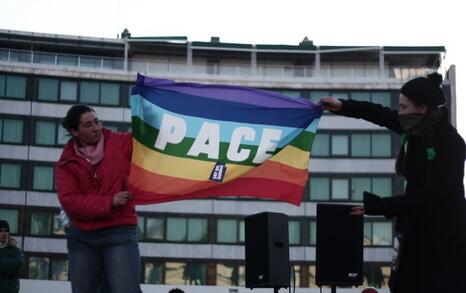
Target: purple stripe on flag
(229, 93)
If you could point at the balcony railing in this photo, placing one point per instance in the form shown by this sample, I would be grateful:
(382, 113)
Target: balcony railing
(172, 68)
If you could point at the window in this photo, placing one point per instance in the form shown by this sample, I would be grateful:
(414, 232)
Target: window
(46, 223)
(13, 86)
(321, 145)
(11, 130)
(356, 144)
(153, 272)
(48, 89)
(380, 97)
(177, 273)
(378, 233)
(316, 95)
(39, 268)
(339, 145)
(291, 94)
(45, 132)
(227, 230)
(10, 175)
(43, 177)
(41, 223)
(99, 93)
(12, 217)
(294, 232)
(228, 275)
(48, 268)
(313, 234)
(326, 188)
(186, 229)
(340, 189)
(68, 90)
(59, 269)
(376, 274)
(155, 228)
(319, 188)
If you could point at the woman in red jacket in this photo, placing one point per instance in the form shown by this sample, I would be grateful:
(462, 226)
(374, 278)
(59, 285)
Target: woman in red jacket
(91, 178)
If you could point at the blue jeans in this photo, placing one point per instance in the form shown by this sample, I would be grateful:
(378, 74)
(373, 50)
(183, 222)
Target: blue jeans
(111, 251)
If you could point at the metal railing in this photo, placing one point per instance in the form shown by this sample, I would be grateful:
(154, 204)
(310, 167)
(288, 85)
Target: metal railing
(180, 67)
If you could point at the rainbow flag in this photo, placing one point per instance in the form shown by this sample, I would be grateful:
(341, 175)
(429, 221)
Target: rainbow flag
(196, 141)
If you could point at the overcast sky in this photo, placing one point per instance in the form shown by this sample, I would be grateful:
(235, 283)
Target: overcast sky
(327, 22)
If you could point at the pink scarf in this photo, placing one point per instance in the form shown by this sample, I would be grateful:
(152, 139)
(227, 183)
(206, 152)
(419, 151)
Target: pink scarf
(91, 153)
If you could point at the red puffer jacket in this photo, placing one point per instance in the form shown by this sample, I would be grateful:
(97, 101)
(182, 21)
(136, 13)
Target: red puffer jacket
(86, 191)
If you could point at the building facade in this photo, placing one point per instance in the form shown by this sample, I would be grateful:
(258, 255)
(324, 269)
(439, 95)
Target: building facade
(198, 242)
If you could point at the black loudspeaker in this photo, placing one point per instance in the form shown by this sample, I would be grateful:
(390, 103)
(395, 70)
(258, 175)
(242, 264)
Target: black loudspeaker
(267, 251)
(339, 247)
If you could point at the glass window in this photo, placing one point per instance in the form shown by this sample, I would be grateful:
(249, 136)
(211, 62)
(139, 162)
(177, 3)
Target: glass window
(11, 216)
(367, 233)
(1, 130)
(110, 94)
(382, 186)
(174, 272)
(313, 234)
(340, 95)
(155, 228)
(42, 178)
(226, 230)
(59, 269)
(89, 62)
(58, 228)
(45, 132)
(12, 131)
(382, 98)
(317, 95)
(360, 145)
(382, 233)
(140, 228)
(41, 223)
(2, 85)
(241, 231)
(376, 275)
(319, 188)
(48, 89)
(294, 232)
(10, 175)
(67, 60)
(15, 87)
(197, 230)
(63, 135)
(361, 96)
(381, 145)
(321, 145)
(340, 189)
(227, 275)
(176, 229)
(291, 94)
(68, 91)
(195, 274)
(89, 92)
(153, 273)
(340, 145)
(39, 268)
(358, 186)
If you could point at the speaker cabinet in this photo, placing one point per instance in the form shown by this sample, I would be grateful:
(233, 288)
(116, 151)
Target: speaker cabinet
(339, 247)
(267, 251)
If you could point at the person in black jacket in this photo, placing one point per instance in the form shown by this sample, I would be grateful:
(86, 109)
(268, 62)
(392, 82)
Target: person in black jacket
(11, 260)
(430, 216)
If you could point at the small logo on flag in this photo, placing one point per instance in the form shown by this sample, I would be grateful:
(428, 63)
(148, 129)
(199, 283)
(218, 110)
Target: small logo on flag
(218, 172)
